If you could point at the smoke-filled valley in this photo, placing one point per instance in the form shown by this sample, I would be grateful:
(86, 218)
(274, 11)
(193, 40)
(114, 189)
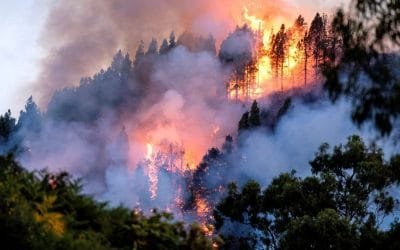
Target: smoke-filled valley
(172, 122)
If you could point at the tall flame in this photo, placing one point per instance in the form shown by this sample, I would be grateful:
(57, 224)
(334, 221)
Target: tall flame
(152, 171)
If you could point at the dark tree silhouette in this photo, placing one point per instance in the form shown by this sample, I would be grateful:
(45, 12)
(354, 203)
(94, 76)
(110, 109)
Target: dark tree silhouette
(370, 33)
(278, 52)
(244, 122)
(254, 118)
(316, 37)
(164, 48)
(172, 42)
(139, 53)
(339, 206)
(153, 48)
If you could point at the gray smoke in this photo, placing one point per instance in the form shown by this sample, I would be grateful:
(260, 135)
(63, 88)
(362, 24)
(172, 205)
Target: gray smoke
(81, 37)
(98, 130)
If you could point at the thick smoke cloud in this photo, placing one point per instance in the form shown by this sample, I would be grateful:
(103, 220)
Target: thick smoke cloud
(181, 101)
(81, 37)
(183, 104)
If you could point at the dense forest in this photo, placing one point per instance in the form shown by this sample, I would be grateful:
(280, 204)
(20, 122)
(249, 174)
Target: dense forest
(348, 198)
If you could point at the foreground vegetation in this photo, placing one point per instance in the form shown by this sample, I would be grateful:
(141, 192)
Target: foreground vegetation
(43, 211)
(350, 201)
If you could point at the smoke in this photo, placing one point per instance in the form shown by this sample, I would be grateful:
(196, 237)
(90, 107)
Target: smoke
(297, 137)
(174, 103)
(182, 106)
(81, 37)
(191, 107)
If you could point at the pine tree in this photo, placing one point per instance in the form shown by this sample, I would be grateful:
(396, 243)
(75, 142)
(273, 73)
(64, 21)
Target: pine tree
(300, 24)
(152, 50)
(305, 44)
(172, 41)
(7, 126)
(254, 118)
(117, 62)
(30, 119)
(278, 52)
(164, 48)
(316, 38)
(139, 53)
(126, 68)
(244, 122)
(210, 45)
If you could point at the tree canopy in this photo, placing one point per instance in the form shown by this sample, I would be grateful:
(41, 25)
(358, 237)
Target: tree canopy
(39, 210)
(339, 206)
(366, 71)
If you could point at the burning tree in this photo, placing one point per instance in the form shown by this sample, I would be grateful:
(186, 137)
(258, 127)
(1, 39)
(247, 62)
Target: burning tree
(279, 50)
(237, 51)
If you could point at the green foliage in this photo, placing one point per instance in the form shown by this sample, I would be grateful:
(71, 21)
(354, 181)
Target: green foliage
(326, 230)
(334, 208)
(39, 210)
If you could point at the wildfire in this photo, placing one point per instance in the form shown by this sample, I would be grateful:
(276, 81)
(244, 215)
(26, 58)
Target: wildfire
(168, 138)
(203, 211)
(263, 81)
(152, 171)
(149, 151)
(253, 21)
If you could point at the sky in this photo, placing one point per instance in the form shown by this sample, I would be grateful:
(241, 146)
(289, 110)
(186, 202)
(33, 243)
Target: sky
(21, 52)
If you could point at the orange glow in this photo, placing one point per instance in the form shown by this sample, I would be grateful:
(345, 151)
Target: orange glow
(264, 81)
(152, 171)
(204, 210)
(149, 151)
(253, 21)
(172, 136)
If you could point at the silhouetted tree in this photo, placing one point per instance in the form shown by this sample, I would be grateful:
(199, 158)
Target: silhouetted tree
(305, 44)
(30, 120)
(244, 122)
(370, 34)
(117, 62)
(164, 48)
(278, 52)
(209, 45)
(254, 118)
(152, 50)
(317, 35)
(139, 53)
(7, 127)
(172, 42)
(337, 207)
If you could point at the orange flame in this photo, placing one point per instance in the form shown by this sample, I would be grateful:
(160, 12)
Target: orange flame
(264, 82)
